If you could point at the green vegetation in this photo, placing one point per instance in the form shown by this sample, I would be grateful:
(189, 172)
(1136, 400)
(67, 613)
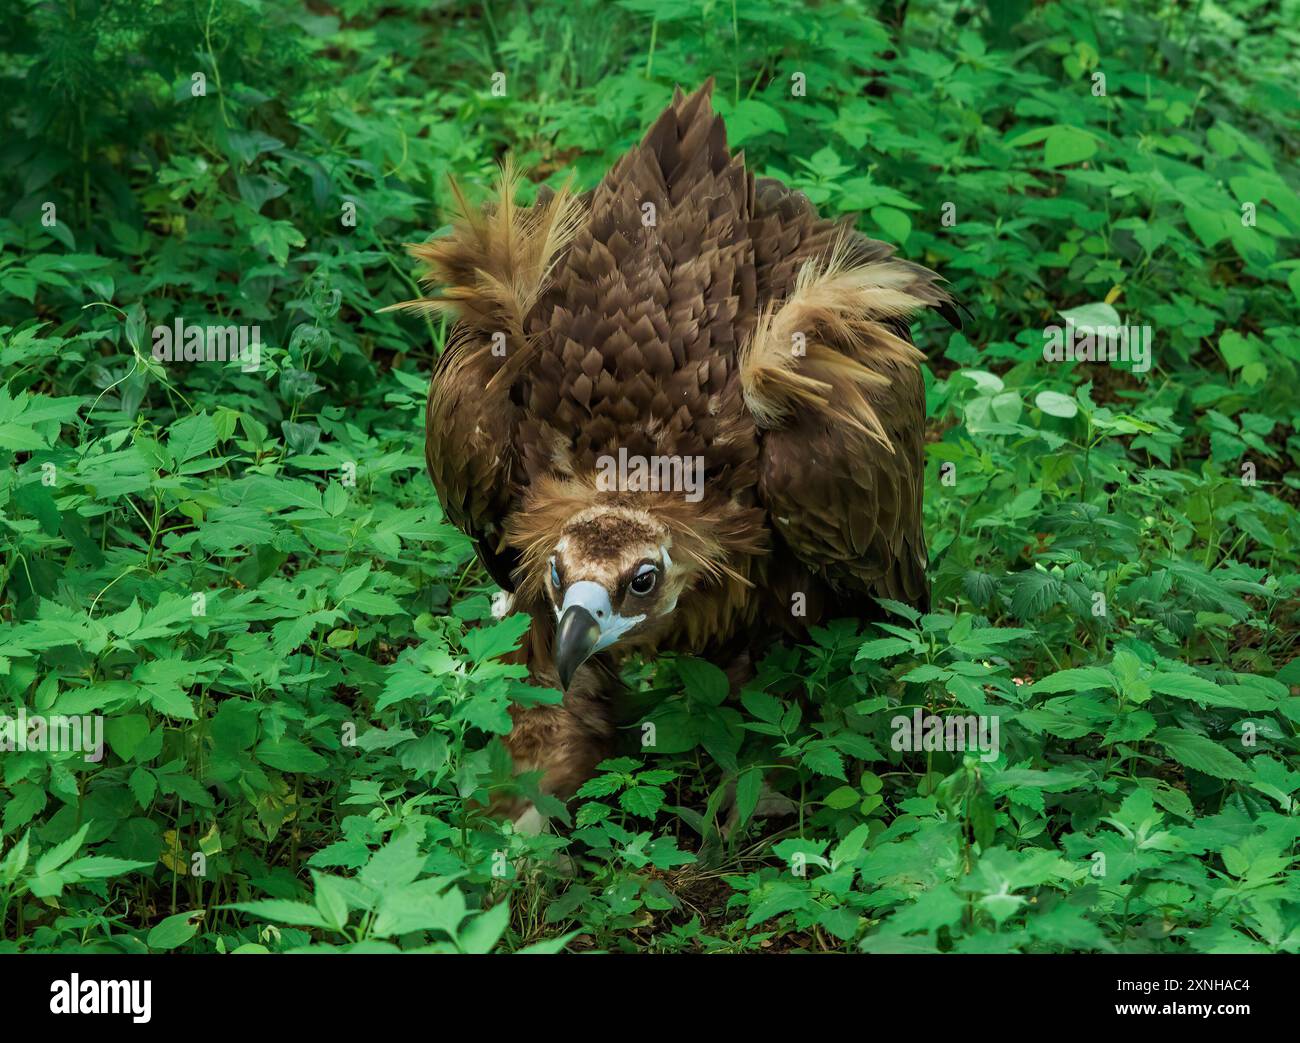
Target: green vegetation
(248, 575)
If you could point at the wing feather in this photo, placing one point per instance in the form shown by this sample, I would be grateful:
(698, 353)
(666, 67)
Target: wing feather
(493, 267)
(834, 384)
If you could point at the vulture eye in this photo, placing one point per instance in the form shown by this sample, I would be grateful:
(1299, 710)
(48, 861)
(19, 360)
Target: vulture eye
(644, 580)
(555, 575)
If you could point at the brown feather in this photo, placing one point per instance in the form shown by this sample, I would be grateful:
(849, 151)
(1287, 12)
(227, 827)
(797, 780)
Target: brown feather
(834, 302)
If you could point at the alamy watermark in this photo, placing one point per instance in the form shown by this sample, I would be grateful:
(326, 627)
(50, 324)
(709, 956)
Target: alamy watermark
(634, 473)
(186, 342)
(72, 995)
(53, 733)
(1084, 343)
(949, 733)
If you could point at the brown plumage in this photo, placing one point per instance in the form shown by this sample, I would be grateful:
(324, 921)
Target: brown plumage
(707, 326)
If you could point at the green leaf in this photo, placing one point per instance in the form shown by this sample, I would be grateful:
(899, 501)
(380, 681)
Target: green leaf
(289, 755)
(60, 853)
(932, 910)
(1066, 145)
(1033, 593)
(1079, 679)
(703, 680)
(396, 863)
(175, 930)
(299, 914)
(172, 701)
(1055, 404)
(894, 223)
(823, 760)
(1200, 753)
(899, 609)
(331, 900)
(483, 643)
(1092, 316)
(99, 867)
(641, 800)
(1198, 689)
(749, 785)
(27, 800)
(483, 932)
(194, 436)
(884, 647)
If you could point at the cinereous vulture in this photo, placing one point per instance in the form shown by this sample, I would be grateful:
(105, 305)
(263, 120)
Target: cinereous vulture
(679, 412)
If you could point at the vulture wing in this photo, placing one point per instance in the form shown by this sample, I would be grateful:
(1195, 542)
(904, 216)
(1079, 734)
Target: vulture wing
(834, 384)
(494, 266)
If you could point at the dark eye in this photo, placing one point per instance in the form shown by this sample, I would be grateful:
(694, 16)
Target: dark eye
(644, 581)
(555, 575)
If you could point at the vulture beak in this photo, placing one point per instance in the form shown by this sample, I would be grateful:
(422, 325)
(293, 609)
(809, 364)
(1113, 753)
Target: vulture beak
(575, 640)
(588, 624)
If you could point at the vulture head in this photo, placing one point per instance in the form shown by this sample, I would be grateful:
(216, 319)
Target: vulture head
(610, 578)
(681, 313)
(627, 570)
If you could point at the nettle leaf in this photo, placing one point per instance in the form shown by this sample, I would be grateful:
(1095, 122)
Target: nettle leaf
(1200, 753)
(602, 786)
(884, 647)
(488, 709)
(930, 911)
(483, 932)
(987, 637)
(491, 641)
(331, 900)
(925, 673)
(61, 852)
(591, 813)
(172, 701)
(899, 609)
(822, 759)
(780, 898)
(1130, 727)
(979, 586)
(664, 854)
(396, 863)
(642, 800)
(1082, 679)
(26, 801)
(192, 437)
(1033, 593)
(703, 680)
(290, 755)
(298, 914)
(1055, 780)
(762, 705)
(1207, 693)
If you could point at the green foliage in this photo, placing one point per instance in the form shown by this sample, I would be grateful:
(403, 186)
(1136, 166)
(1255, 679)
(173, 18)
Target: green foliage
(248, 576)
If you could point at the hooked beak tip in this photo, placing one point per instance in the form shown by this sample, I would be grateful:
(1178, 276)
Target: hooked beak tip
(575, 640)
